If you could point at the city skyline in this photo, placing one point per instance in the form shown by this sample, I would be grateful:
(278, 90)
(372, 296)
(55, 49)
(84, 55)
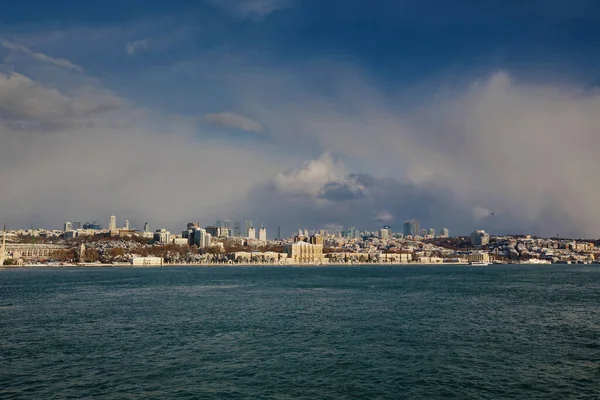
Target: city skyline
(302, 114)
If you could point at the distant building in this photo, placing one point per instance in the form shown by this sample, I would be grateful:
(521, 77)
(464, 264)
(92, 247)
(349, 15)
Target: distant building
(479, 238)
(262, 234)
(431, 232)
(411, 228)
(251, 234)
(301, 252)
(215, 231)
(146, 261)
(179, 241)
(126, 226)
(478, 256)
(92, 226)
(162, 236)
(350, 233)
(201, 238)
(247, 225)
(384, 232)
(146, 227)
(444, 232)
(237, 229)
(112, 225)
(68, 226)
(76, 225)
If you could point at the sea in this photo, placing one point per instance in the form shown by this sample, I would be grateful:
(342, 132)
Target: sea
(361, 332)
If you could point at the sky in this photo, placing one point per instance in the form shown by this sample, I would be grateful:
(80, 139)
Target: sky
(302, 114)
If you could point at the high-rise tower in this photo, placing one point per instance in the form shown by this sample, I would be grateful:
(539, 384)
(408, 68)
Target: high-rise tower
(3, 248)
(262, 234)
(112, 225)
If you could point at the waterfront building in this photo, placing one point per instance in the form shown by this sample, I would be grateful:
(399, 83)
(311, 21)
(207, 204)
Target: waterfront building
(301, 252)
(68, 226)
(112, 225)
(146, 261)
(479, 238)
(262, 234)
(478, 256)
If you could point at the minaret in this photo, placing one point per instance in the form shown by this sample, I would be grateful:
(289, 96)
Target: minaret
(3, 248)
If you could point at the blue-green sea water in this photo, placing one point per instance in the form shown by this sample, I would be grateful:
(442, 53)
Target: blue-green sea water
(498, 332)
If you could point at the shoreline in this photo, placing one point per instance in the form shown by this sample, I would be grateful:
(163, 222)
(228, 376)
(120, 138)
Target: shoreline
(128, 265)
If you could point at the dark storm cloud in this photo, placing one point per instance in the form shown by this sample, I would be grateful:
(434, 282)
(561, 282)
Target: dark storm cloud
(336, 191)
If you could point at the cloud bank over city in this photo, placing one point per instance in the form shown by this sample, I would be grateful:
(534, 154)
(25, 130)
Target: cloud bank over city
(172, 133)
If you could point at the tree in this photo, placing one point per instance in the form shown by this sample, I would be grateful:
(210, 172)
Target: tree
(91, 255)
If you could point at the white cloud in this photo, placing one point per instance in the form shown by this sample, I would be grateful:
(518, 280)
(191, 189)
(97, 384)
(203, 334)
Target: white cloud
(310, 179)
(234, 121)
(384, 216)
(85, 154)
(135, 46)
(480, 213)
(60, 62)
(525, 149)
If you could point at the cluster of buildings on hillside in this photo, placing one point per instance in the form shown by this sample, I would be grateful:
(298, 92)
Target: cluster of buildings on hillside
(348, 245)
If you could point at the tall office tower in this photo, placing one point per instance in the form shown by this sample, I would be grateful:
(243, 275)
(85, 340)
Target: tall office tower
(112, 225)
(411, 228)
(306, 232)
(227, 224)
(126, 226)
(445, 232)
(247, 225)
(68, 226)
(219, 223)
(237, 229)
(431, 232)
(76, 225)
(251, 234)
(262, 234)
(146, 227)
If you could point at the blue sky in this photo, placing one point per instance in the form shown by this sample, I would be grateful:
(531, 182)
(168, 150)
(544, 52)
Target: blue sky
(290, 98)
